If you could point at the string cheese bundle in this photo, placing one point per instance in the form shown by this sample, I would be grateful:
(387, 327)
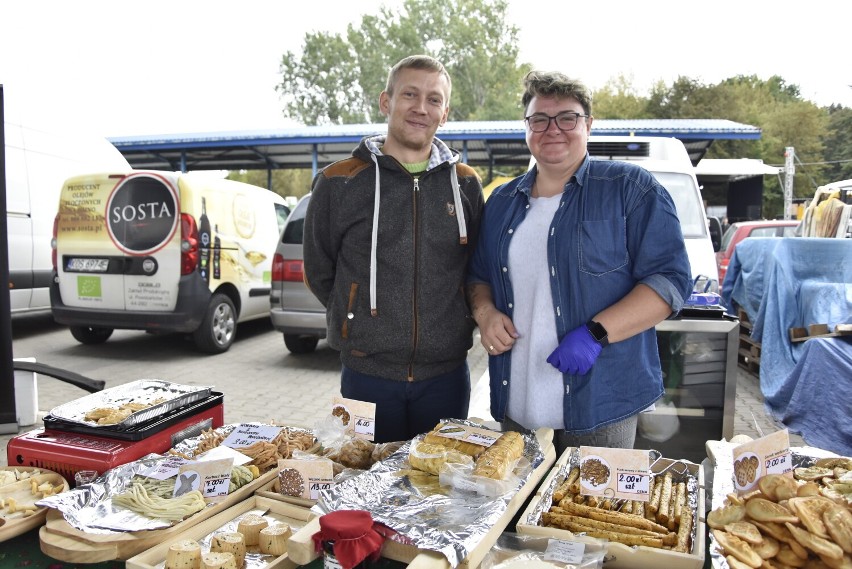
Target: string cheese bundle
(273, 539)
(250, 526)
(218, 560)
(230, 542)
(185, 554)
(140, 501)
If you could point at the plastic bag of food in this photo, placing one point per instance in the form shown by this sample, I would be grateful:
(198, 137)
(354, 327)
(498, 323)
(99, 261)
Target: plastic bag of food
(516, 551)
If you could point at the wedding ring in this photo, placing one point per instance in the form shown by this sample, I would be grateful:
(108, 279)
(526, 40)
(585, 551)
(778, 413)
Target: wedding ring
(490, 348)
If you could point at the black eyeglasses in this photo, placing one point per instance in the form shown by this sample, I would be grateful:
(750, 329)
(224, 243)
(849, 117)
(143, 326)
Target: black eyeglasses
(565, 121)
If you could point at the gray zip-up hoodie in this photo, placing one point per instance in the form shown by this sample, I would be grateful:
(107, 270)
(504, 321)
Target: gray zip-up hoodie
(386, 253)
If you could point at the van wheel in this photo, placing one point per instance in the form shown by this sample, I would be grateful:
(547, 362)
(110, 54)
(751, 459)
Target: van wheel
(90, 334)
(300, 344)
(217, 330)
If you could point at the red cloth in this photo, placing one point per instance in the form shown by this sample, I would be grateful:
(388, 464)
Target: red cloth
(354, 535)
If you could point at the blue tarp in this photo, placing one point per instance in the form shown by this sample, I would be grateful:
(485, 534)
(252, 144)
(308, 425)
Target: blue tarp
(793, 282)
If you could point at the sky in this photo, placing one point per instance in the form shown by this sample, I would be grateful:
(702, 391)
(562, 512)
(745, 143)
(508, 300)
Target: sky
(195, 66)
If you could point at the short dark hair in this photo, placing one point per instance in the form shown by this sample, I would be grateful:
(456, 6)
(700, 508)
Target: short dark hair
(424, 62)
(555, 84)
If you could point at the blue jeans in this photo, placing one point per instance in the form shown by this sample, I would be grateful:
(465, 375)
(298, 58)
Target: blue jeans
(621, 434)
(405, 409)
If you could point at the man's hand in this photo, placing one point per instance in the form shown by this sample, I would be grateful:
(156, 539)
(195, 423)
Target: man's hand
(576, 353)
(496, 331)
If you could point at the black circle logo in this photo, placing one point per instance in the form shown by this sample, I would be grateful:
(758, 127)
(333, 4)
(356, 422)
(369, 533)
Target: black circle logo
(142, 213)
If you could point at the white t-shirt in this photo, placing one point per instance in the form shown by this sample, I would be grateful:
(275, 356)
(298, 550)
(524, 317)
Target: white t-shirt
(535, 392)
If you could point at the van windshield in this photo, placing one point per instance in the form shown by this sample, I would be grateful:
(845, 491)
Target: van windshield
(687, 201)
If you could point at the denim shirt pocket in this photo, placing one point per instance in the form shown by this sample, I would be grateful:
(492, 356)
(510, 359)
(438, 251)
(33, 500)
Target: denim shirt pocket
(603, 246)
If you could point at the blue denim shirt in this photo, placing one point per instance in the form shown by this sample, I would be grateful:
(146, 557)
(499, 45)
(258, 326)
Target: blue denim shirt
(616, 226)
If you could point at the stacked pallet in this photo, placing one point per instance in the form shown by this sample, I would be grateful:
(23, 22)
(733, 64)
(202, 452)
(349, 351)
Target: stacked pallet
(748, 351)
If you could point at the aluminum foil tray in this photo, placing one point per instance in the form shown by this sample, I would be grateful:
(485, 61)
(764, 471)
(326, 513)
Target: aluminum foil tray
(144, 391)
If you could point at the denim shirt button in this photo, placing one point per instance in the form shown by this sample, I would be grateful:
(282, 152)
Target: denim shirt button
(511, 231)
(505, 382)
(511, 305)
(505, 269)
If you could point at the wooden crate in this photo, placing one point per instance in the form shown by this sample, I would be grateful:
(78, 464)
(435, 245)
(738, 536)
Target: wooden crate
(301, 546)
(620, 556)
(748, 350)
(276, 510)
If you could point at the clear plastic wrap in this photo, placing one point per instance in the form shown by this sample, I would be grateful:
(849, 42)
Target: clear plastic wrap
(515, 551)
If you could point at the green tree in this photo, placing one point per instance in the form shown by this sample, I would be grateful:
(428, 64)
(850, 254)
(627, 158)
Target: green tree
(838, 144)
(618, 99)
(285, 183)
(337, 80)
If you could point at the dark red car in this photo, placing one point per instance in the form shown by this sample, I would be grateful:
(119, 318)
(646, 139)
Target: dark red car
(742, 229)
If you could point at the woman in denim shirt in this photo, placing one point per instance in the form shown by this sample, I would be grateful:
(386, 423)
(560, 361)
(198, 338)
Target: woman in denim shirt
(576, 263)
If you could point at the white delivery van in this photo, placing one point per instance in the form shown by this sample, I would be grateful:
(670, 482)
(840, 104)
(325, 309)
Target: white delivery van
(37, 163)
(162, 251)
(668, 161)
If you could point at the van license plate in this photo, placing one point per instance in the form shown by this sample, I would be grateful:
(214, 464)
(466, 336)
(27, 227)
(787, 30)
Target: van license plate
(78, 265)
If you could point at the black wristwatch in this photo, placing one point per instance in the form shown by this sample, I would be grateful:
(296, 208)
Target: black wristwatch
(598, 332)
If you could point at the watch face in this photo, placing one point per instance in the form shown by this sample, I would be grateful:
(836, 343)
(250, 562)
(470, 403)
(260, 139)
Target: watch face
(599, 333)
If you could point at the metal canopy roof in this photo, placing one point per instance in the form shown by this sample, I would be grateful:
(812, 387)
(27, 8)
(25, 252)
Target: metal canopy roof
(482, 143)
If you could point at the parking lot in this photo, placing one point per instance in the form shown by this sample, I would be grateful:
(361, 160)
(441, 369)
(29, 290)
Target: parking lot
(260, 379)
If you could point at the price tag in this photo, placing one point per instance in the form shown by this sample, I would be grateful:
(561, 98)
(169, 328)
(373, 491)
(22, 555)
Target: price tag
(305, 478)
(475, 435)
(757, 458)
(568, 552)
(211, 477)
(164, 469)
(359, 417)
(635, 483)
(246, 435)
(622, 474)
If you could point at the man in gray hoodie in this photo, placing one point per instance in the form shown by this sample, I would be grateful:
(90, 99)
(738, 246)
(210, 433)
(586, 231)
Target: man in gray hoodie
(388, 235)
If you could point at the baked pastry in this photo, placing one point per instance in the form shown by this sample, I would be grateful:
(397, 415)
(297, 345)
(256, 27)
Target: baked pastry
(433, 458)
(498, 459)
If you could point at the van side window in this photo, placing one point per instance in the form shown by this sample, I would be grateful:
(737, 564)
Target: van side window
(281, 212)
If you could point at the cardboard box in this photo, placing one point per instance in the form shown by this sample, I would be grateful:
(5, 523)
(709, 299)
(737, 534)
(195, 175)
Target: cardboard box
(620, 556)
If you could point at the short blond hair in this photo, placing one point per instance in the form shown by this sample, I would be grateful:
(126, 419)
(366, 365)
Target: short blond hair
(424, 62)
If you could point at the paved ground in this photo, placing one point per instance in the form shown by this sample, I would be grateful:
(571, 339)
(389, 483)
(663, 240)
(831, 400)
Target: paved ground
(260, 379)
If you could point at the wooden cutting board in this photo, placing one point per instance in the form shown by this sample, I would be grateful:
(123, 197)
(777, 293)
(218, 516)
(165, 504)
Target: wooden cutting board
(124, 545)
(12, 525)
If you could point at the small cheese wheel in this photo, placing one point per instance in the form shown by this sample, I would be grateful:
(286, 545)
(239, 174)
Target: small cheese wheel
(184, 554)
(250, 527)
(230, 542)
(273, 539)
(218, 560)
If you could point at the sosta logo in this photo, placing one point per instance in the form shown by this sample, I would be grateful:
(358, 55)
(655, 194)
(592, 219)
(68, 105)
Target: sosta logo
(142, 213)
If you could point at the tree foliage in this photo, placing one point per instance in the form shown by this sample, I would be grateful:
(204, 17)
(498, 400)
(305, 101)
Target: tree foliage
(337, 80)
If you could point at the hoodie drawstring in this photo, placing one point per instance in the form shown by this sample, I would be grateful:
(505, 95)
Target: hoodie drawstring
(454, 182)
(374, 240)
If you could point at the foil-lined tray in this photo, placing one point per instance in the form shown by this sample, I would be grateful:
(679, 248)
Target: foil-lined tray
(681, 470)
(721, 454)
(424, 513)
(143, 391)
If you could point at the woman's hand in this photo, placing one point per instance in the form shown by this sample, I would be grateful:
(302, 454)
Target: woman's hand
(496, 331)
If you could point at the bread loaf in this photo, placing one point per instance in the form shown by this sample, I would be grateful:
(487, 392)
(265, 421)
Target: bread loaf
(500, 457)
(432, 458)
(433, 437)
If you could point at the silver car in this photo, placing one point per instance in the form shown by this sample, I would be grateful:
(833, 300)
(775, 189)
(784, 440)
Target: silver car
(294, 310)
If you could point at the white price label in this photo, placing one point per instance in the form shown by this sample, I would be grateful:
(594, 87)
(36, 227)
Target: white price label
(633, 483)
(365, 426)
(481, 439)
(780, 464)
(568, 552)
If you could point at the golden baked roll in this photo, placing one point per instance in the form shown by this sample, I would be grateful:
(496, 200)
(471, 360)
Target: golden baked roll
(467, 448)
(432, 458)
(501, 457)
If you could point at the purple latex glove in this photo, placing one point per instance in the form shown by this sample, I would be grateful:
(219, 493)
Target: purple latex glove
(576, 353)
